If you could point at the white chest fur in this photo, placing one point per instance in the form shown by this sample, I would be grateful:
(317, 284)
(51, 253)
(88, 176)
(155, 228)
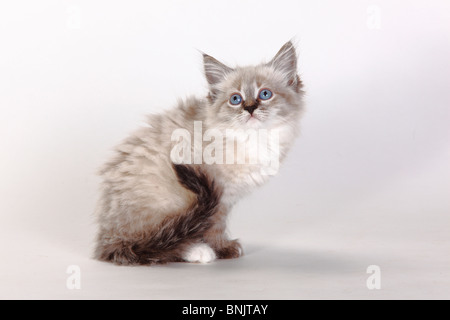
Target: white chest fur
(260, 160)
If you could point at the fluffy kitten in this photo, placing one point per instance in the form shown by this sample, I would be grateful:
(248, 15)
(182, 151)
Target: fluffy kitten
(155, 211)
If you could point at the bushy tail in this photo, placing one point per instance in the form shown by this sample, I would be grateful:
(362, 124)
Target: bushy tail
(168, 242)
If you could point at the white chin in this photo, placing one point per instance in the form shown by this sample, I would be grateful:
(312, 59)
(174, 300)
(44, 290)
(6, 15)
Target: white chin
(253, 123)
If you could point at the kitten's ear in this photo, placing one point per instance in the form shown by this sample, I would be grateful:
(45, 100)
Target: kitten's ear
(215, 71)
(286, 62)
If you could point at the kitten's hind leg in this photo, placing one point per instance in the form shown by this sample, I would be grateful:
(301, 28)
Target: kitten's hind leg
(230, 249)
(217, 238)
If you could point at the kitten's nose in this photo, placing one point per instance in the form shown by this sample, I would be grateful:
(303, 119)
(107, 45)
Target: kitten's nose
(251, 108)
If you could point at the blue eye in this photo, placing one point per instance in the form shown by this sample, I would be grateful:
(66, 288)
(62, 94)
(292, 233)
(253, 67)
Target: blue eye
(235, 99)
(265, 94)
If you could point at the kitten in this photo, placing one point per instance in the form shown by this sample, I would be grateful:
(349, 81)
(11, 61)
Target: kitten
(155, 209)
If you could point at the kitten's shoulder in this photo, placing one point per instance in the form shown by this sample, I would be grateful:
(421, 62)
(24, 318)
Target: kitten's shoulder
(192, 108)
(189, 108)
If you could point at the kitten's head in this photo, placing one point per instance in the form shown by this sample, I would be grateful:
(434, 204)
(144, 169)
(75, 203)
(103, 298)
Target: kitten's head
(261, 96)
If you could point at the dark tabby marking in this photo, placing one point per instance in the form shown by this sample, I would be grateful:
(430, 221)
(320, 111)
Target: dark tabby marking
(175, 233)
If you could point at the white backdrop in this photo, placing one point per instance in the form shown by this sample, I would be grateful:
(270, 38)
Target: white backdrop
(367, 183)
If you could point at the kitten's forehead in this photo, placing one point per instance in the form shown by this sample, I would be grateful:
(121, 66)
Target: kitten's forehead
(249, 79)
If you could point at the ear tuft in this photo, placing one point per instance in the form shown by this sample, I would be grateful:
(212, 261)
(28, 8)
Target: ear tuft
(215, 71)
(286, 62)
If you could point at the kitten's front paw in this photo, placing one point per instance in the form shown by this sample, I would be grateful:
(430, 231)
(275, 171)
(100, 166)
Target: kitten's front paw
(231, 250)
(201, 253)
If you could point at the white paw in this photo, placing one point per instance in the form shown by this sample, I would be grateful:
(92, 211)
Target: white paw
(201, 253)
